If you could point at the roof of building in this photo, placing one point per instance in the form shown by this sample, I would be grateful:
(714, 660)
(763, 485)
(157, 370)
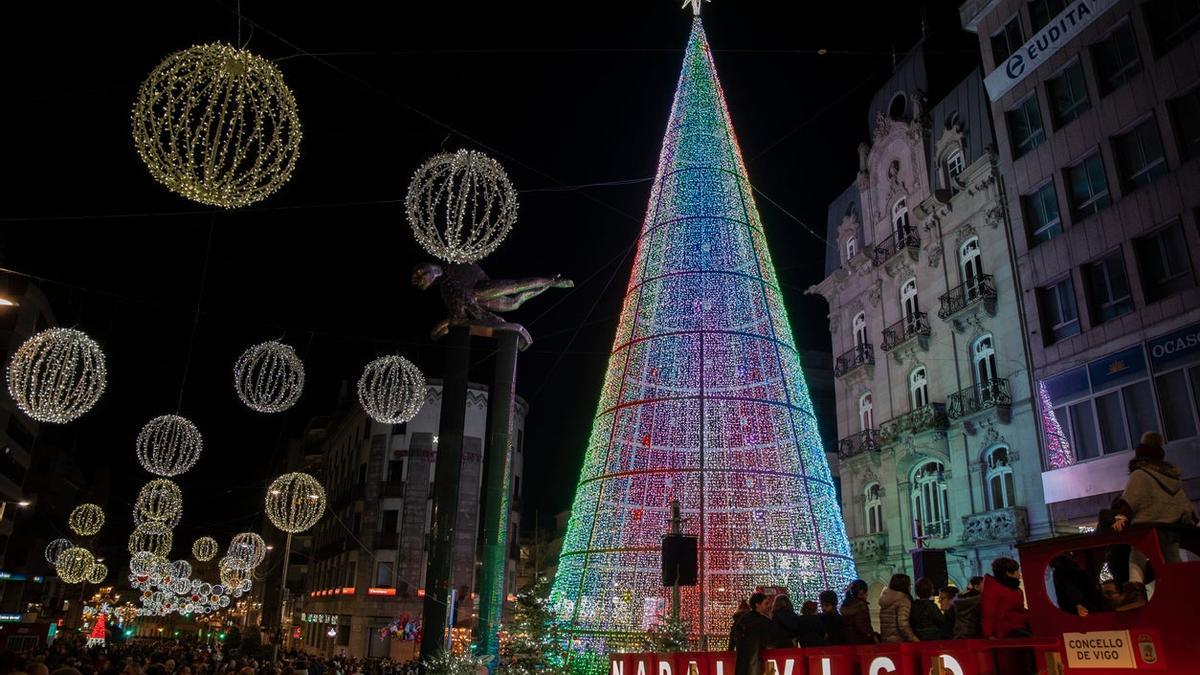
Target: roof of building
(848, 201)
(967, 103)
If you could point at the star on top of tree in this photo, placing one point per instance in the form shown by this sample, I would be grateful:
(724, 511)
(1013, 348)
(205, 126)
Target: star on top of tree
(695, 5)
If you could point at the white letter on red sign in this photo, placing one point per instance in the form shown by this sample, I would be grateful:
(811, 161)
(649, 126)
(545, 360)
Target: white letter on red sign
(881, 664)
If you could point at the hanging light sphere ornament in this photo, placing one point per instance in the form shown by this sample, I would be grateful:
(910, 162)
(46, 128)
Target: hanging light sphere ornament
(160, 501)
(97, 574)
(169, 445)
(204, 549)
(153, 537)
(57, 375)
(142, 563)
(391, 390)
(295, 502)
(247, 549)
(86, 519)
(74, 564)
(461, 206)
(269, 377)
(217, 125)
(55, 548)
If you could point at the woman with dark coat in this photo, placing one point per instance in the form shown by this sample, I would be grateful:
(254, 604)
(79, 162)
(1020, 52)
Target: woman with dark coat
(925, 618)
(856, 615)
(1075, 591)
(1004, 613)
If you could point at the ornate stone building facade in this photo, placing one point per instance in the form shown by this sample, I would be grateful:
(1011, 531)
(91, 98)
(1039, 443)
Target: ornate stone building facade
(938, 437)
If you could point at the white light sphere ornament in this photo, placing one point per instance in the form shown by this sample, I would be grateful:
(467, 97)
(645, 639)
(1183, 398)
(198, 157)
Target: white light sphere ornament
(74, 564)
(160, 501)
(217, 125)
(461, 206)
(391, 390)
(86, 519)
(248, 549)
(55, 549)
(169, 445)
(204, 549)
(97, 574)
(295, 502)
(57, 375)
(142, 563)
(153, 537)
(269, 377)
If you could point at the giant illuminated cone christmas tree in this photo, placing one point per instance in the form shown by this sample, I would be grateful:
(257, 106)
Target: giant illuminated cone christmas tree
(704, 401)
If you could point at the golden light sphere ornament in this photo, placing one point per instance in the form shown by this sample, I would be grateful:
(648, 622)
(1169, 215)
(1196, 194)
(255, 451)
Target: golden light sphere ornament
(269, 377)
(217, 125)
(153, 537)
(204, 549)
(169, 445)
(86, 519)
(295, 502)
(231, 575)
(74, 564)
(57, 375)
(97, 574)
(391, 390)
(247, 549)
(159, 501)
(461, 206)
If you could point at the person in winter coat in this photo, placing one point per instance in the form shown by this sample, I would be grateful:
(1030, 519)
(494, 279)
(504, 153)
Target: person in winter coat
(926, 618)
(1004, 614)
(895, 607)
(1153, 495)
(856, 615)
(751, 635)
(1076, 592)
(743, 608)
(835, 631)
(789, 629)
(968, 606)
(946, 604)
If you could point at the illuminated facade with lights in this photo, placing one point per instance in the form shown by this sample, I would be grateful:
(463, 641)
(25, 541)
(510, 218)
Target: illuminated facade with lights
(379, 481)
(704, 401)
(936, 417)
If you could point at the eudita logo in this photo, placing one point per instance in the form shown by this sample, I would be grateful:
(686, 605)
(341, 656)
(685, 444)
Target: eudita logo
(1046, 42)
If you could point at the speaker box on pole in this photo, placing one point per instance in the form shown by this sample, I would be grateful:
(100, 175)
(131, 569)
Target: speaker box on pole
(931, 564)
(679, 557)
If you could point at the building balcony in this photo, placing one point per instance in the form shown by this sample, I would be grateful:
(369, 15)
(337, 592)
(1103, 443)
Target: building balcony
(859, 355)
(905, 239)
(910, 327)
(1000, 525)
(930, 417)
(980, 291)
(865, 441)
(869, 546)
(989, 394)
(938, 530)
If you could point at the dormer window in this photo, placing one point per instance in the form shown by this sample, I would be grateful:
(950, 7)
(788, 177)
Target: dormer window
(851, 248)
(954, 165)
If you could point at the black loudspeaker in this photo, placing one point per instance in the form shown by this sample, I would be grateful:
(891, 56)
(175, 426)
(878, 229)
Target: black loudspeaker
(679, 558)
(930, 563)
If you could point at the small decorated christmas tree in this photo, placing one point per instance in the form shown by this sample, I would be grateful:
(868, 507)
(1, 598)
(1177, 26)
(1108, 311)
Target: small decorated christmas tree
(535, 636)
(98, 633)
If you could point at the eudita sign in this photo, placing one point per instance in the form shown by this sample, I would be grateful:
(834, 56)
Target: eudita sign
(1061, 30)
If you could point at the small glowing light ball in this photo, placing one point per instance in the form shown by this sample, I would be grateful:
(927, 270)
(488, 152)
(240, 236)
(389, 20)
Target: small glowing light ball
(57, 375)
(161, 501)
(97, 574)
(391, 390)
(153, 537)
(169, 445)
(55, 548)
(248, 549)
(269, 377)
(461, 206)
(295, 502)
(204, 549)
(86, 519)
(74, 564)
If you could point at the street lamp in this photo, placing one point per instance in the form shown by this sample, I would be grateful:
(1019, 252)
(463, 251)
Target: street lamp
(22, 504)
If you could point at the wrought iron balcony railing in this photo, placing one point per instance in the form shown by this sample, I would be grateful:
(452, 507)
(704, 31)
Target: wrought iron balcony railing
(987, 394)
(999, 525)
(863, 442)
(931, 417)
(904, 239)
(911, 326)
(859, 355)
(973, 292)
(934, 530)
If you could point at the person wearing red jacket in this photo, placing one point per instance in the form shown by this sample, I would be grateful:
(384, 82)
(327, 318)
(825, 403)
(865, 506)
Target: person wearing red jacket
(1004, 612)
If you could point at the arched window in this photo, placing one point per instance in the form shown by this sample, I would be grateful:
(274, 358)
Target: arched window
(898, 106)
(970, 266)
(873, 508)
(931, 500)
(908, 301)
(860, 329)
(953, 164)
(851, 247)
(983, 355)
(900, 217)
(918, 388)
(1000, 488)
(866, 411)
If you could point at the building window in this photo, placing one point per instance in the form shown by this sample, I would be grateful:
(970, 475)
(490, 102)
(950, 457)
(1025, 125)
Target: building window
(1060, 316)
(983, 355)
(1116, 58)
(1006, 41)
(970, 265)
(909, 305)
(1025, 126)
(866, 411)
(1186, 112)
(516, 487)
(1140, 155)
(1001, 489)
(918, 388)
(954, 165)
(1171, 22)
(931, 500)
(397, 470)
(1041, 214)
(873, 506)
(1108, 288)
(851, 248)
(1176, 406)
(1068, 95)
(351, 571)
(1087, 186)
(1163, 262)
(383, 574)
(900, 217)
(388, 523)
(860, 329)
(1041, 11)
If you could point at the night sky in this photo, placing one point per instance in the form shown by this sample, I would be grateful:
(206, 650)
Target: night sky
(564, 94)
